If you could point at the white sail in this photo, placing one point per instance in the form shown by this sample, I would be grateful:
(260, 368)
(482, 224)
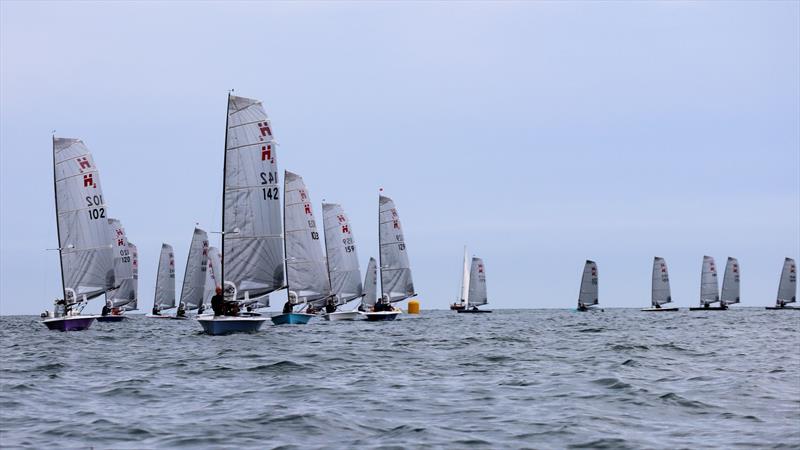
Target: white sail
(709, 290)
(730, 283)
(306, 273)
(124, 293)
(588, 293)
(787, 289)
(340, 245)
(465, 278)
(660, 293)
(165, 279)
(396, 282)
(252, 244)
(133, 305)
(87, 266)
(194, 278)
(370, 285)
(477, 284)
(212, 275)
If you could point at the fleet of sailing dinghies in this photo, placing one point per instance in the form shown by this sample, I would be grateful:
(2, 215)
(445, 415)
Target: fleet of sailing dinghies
(85, 254)
(476, 293)
(342, 263)
(660, 293)
(787, 287)
(164, 298)
(587, 297)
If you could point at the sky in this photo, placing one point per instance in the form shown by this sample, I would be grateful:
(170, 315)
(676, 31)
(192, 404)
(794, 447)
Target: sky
(537, 134)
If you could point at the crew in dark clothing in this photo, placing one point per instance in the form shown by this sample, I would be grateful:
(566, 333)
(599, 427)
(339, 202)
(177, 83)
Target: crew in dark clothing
(474, 308)
(287, 307)
(361, 308)
(181, 311)
(582, 307)
(156, 312)
(330, 306)
(106, 310)
(218, 303)
(201, 308)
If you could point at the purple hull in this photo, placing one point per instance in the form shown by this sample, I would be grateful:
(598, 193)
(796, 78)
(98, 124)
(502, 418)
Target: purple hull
(75, 323)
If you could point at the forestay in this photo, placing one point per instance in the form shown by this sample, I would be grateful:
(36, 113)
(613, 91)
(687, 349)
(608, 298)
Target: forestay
(370, 285)
(589, 294)
(165, 279)
(252, 245)
(477, 283)
(194, 278)
(787, 289)
(709, 290)
(307, 275)
(134, 304)
(212, 275)
(340, 246)
(125, 292)
(396, 282)
(730, 283)
(85, 251)
(660, 292)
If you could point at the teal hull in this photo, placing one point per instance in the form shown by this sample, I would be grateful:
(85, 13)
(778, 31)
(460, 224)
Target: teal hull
(291, 319)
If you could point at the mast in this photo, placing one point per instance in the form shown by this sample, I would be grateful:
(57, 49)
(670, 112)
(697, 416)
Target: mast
(380, 262)
(224, 174)
(327, 256)
(465, 281)
(58, 227)
(158, 272)
(285, 255)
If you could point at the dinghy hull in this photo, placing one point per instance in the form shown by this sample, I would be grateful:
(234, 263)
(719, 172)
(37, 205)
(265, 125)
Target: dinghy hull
(74, 323)
(159, 316)
(658, 309)
(292, 319)
(342, 315)
(783, 307)
(219, 325)
(111, 318)
(710, 308)
(474, 311)
(381, 316)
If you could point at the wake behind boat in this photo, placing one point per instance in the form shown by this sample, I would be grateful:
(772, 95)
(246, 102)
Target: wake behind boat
(660, 292)
(787, 287)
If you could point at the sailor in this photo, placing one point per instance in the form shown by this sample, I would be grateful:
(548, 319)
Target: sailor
(181, 311)
(782, 304)
(330, 306)
(706, 305)
(201, 308)
(106, 309)
(156, 312)
(218, 302)
(361, 307)
(474, 308)
(658, 306)
(287, 307)
(581, 306)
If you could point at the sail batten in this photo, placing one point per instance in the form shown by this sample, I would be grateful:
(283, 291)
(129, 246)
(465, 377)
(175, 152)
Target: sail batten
(787, 288)
(660, 290)
(588, 294)
(730, 283)
(395, 270)
(165, 279)
(194, 278)
(709, 290)
(477, 284)
(341, 253)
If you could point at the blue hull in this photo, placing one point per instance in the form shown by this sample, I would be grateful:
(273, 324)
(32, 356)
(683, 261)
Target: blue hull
(217, 326)
(291, 319)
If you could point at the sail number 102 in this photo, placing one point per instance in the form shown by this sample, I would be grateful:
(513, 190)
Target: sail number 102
(95, 213)
(269, 193)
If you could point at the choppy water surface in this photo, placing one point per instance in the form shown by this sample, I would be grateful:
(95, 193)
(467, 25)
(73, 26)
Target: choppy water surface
(533, 378)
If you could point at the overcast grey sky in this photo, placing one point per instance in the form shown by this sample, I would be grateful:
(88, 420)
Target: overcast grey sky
(539, 134)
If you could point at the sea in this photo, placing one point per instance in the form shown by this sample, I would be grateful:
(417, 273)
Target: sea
(617, 379)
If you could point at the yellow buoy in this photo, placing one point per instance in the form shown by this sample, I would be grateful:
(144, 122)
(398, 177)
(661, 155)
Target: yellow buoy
(413, 307)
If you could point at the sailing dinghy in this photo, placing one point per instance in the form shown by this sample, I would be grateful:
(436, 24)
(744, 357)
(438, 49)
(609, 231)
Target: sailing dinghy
(306, 275)
(370, 287)
(342, 261)
(164, 298)
(85, 256)
(730, 283)
(660, 292)
(124, 293)
(395, 270)
(587, 297)
(462, 303)
(194, 276)
(709, 290)
(787, 288)
(476, 294)
(252, 260)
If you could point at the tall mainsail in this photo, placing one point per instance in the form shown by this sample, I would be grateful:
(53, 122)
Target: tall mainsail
(396, 282)
(124, 292)
(340, 245)
(252, 244)
(212, 275)
(660, 293)
(306, 273)
(370, 285)
(465, 278)
(87, 267)
(588, 294)
(477, 284)
(709, 291)
(134, 304)
(165, 279)
(194, 278)
(787, 289)
(730, 283)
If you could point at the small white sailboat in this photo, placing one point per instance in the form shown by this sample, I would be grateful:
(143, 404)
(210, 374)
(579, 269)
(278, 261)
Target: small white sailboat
(342, 261)
(709, 289)
(194, 276)
(395, 270)
(252, 244)
(85, 254)
(787, 288)
(476, 294)
(660, 294)
(125, 292)
(164, 297)
(730, 284)
(587, 297)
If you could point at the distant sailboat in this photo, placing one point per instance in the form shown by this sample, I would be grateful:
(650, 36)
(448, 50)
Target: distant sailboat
(660, 292)
(212, 275)
(587, 297)
(85, 254)
(342, 261)
(252, 260)
(194, 277)
(460, 305)
(709, 289)
(133, 305)
(370, 287)
(124, 293)
(787, 288)
(476, 295)
(306, 273)
(730, 283)
(164, 298)
(395, 270)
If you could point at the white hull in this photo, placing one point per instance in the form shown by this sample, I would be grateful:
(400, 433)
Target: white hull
(342, 315)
